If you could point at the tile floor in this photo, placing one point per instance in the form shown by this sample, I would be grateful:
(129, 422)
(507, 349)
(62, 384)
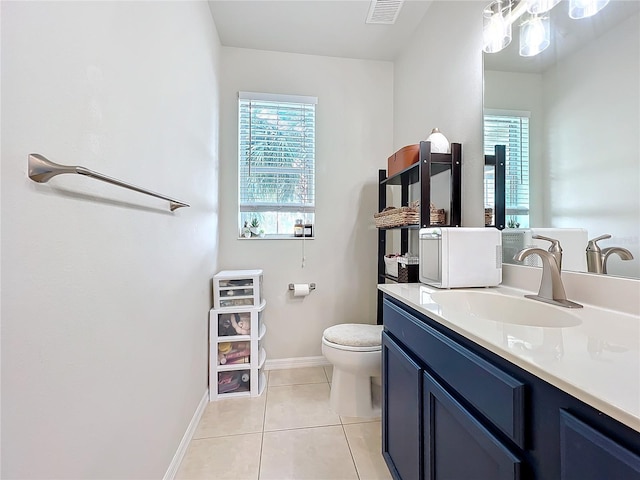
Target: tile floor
(288, 433)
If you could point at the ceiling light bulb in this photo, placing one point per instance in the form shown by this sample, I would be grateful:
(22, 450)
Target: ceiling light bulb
(585, 8)
(535, 36)
(496, 31)
(541, 6)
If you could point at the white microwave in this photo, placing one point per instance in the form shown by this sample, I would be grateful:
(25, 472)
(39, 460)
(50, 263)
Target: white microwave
(458, 257)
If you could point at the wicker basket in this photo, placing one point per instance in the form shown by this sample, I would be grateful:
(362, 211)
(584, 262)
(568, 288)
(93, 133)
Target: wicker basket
(408, 269)
(488, 216)
(437, 216)
(397, 217)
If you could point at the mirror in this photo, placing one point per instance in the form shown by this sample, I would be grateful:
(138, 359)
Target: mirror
(583, 95)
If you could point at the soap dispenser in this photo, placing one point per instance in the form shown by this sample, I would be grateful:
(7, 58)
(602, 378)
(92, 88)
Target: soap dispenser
(594, 254)
(555, 249)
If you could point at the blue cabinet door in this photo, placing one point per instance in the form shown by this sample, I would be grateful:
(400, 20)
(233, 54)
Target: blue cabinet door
(457, 445)
(587, 454)
(401, 412)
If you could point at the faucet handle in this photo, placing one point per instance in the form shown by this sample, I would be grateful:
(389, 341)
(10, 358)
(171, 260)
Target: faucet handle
(592, 245)
(555, 243)
(555, 249)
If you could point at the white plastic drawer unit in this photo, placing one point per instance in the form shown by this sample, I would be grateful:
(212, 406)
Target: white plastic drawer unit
(237, 288)
(236, 352)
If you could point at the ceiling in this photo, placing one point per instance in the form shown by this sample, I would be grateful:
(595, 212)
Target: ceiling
(337, 28)
(333, 28)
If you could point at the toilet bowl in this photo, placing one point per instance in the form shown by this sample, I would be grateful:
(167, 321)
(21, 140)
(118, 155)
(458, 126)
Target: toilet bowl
(355, 352)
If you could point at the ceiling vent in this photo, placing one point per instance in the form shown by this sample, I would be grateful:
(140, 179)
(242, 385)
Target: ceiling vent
(384, 11)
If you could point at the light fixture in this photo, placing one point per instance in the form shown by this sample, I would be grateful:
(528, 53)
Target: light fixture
(535, 35)
(540, 6)
(496, 26)
(585, 8)
(535, 32)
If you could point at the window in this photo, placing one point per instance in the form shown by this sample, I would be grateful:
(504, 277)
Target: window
(276, 156)
(512, 130)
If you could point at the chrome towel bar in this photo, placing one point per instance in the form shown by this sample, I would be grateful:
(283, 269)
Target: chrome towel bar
(42, 170)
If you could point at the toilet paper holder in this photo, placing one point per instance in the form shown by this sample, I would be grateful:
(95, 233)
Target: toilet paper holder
(312, 286)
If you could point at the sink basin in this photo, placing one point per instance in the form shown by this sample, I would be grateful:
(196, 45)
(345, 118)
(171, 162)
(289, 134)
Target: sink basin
(504, 309)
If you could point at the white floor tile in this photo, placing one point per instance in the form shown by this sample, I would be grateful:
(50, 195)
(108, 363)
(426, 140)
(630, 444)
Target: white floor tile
(365, 441)
(307, 454)
(297, 376)
(233, 458)
(299, 406)
(232, 416)
(328, 371)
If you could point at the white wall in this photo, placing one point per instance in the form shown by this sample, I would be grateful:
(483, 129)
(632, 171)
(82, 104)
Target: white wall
(438, 83)
(105, 294)
(593, 166)
(354, 125)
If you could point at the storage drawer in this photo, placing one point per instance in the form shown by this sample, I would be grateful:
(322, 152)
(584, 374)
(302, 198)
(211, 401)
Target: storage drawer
(496, 395)
(233, 353)
(237, 288)
(234, 383)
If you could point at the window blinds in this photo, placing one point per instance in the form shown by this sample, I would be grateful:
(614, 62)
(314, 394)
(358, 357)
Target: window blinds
(276, 153)
(513, 132)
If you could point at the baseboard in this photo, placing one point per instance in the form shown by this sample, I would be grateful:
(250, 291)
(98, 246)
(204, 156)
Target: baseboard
(188, 435)
(297, 362)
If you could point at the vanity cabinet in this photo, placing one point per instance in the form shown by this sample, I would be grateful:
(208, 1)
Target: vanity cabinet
(454, 410)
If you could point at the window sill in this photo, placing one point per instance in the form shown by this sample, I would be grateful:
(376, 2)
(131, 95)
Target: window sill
(277, 237)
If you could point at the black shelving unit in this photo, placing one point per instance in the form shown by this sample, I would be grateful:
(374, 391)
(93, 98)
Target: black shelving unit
(498, 161)
(420, 174)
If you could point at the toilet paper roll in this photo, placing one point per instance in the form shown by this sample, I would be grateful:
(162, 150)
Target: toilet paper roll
(301, 289)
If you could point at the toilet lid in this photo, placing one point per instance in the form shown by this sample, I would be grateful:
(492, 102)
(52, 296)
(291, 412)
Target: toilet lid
(354, 335)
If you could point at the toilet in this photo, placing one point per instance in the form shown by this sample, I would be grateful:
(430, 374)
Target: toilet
(355, 351)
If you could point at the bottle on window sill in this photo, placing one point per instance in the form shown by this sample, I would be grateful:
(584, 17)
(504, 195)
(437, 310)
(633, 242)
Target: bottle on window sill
(298, 228)
(308, 230)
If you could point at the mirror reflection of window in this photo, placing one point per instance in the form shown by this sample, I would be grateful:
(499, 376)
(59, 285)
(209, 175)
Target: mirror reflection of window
(509, 128)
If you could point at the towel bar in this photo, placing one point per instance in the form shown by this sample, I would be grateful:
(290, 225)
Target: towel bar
(42, 170)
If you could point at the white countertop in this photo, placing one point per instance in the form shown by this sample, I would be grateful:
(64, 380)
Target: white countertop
(597, 361)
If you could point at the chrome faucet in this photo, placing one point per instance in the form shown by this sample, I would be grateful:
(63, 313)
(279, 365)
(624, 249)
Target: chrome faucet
(597, 257)
(551, 287)
(623, 253)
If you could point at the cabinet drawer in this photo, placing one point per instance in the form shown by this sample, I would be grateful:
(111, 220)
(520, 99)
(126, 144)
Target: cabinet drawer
(493, 393)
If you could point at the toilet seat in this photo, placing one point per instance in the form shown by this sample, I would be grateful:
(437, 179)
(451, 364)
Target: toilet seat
(347, 348)
(354, 337)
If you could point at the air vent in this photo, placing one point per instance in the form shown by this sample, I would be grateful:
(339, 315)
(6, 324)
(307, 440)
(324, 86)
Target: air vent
(384, 11)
